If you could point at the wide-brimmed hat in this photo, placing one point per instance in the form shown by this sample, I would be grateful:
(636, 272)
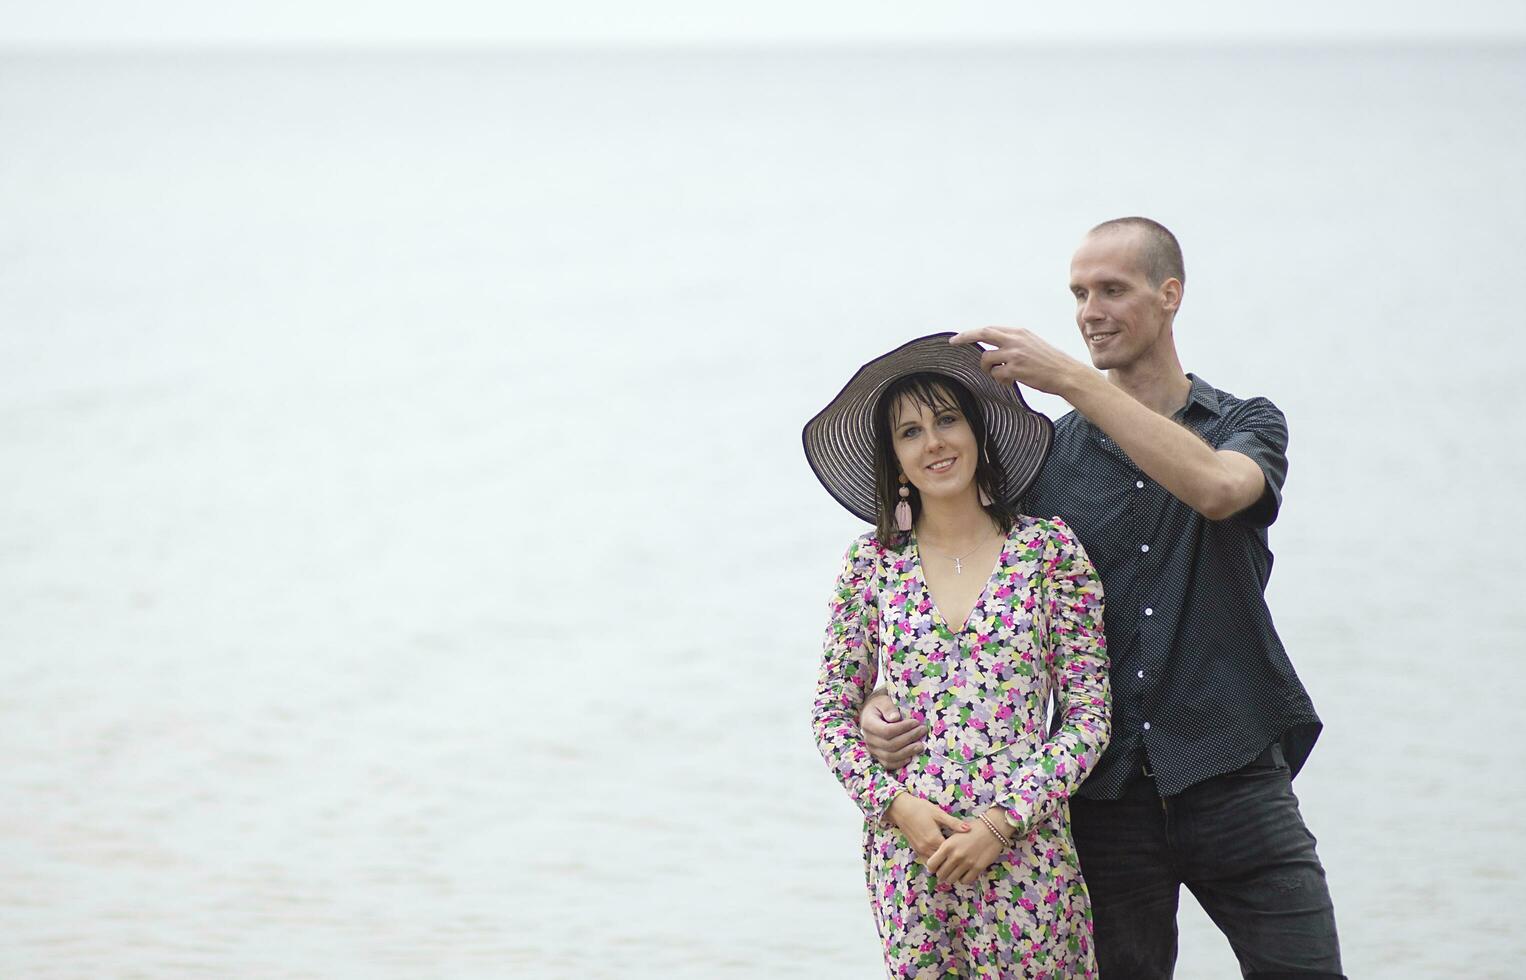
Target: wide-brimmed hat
(839, 441)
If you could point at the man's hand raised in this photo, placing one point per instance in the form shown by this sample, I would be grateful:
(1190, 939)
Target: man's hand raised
(1023, 356)
(892, 740)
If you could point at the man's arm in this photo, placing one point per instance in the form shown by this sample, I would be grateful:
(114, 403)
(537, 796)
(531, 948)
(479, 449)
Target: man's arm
(1215, 483)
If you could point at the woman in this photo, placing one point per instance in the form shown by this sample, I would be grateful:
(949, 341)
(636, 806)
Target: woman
(972, 615)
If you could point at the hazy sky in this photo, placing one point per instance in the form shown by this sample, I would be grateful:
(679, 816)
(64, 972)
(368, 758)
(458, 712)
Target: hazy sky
(699, 21)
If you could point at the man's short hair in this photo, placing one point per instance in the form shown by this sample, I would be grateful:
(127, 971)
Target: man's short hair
(1162, 255)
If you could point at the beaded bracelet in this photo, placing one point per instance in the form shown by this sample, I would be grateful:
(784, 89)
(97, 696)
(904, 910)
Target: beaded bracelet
(992, 828)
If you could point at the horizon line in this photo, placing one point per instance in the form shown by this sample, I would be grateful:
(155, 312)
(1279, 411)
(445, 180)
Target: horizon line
(566, 45)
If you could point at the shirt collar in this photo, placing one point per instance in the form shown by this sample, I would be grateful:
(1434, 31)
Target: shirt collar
(1201, 393)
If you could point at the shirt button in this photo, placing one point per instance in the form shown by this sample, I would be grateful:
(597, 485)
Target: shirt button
(1149, 611)
(1141, 673)
(1144, 547)
(1147, 726)
(1139, 484)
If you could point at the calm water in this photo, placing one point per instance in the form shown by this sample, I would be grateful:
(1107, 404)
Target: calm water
(407, 564)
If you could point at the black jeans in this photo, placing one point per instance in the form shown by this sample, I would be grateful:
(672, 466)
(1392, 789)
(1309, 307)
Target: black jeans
(1239, 842)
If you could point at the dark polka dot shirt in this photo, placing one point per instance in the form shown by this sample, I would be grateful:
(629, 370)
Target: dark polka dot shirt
(1201, 683)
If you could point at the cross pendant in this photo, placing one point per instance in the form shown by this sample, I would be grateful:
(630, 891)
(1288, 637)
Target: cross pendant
(958, 567)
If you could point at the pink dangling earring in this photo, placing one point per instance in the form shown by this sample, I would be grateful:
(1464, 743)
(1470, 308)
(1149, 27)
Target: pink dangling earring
(903, 509)
(985, 498)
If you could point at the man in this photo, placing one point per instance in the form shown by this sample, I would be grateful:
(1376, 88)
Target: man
(1170, 485)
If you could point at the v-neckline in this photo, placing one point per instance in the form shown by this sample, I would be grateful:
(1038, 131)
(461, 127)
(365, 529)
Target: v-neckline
(916, 550)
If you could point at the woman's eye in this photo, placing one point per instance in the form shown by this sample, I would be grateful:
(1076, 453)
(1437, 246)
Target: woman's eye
(948, 419)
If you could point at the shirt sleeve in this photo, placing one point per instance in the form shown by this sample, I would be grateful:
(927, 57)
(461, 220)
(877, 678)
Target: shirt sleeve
(849, 667)
(1076, 659)
(1260, 431)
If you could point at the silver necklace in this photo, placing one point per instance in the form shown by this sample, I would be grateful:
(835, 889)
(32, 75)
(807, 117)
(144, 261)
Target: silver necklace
(959, 561)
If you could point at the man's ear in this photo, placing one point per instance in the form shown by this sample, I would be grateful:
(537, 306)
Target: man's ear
(1171, 295)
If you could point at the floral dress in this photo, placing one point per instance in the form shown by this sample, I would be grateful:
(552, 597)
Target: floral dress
(982, 689)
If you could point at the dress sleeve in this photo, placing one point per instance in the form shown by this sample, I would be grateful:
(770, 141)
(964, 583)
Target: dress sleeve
(849, 666)
(1076, 657)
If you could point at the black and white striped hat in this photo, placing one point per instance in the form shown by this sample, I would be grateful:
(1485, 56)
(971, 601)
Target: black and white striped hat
(839, 441)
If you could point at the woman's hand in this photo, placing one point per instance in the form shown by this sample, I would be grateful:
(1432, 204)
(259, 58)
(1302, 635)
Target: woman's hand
(962, 859)
(923, 823)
